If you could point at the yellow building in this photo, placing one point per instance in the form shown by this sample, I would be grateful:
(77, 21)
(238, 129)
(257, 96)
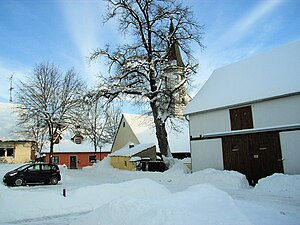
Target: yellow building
(17, 151)
(127, 157)
(14, 147)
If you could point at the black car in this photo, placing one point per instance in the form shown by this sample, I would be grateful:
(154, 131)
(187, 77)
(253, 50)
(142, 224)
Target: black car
(33, 173)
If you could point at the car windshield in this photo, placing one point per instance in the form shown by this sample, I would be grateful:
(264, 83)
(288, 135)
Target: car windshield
(22, 167)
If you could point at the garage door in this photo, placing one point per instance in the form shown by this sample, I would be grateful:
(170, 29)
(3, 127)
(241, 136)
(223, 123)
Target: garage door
(255, 155)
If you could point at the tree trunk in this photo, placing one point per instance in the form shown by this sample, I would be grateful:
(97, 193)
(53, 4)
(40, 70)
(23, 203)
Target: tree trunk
(161, 133)
(51, 149)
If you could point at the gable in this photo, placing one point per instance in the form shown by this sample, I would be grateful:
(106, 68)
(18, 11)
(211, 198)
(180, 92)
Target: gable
(124, 135)
(268, 75)
(141, 130)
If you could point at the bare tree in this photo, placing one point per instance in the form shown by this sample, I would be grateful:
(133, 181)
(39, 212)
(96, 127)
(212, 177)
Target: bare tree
(100, 122)
(159, 29)
(48, 100)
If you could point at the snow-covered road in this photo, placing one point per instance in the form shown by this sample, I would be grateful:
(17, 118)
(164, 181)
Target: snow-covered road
(103, 191)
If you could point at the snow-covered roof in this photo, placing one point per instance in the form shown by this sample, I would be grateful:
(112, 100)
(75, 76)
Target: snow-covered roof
(8, 123)
(131, 151)
(267, 75)
(67, 145)
(143, 128)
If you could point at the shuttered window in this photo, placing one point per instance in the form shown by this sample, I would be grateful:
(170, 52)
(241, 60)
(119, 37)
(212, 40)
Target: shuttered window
(241, 118)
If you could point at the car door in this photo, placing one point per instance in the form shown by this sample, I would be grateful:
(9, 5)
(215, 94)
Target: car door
(46, 172)
(32, 174)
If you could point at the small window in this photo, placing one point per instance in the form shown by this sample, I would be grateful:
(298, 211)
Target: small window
(92, 158)
(78, 140)
(55, 159)
(123, 124)
(10, 152)
(125, 163)
(241, 118)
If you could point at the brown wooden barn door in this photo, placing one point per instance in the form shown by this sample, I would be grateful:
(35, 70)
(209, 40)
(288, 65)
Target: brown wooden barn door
(236, 154)
(254, 155)
(266, 155)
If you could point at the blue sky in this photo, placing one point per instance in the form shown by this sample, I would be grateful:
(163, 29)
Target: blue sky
(65, 32)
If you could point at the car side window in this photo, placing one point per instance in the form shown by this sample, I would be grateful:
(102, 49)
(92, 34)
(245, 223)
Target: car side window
(34, 168)
(54, 168)
(46, 167)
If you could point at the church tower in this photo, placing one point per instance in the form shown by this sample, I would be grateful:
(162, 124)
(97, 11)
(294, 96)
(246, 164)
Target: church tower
(173, 77)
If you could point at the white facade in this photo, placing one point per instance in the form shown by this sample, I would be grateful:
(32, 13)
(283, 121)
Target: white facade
(270, 84)
(271, 114)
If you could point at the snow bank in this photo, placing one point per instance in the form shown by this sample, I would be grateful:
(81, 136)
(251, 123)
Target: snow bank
(100, 165)
(199, 204)
(221, 179)
(36, 204)
(280, 184)
(176, 166)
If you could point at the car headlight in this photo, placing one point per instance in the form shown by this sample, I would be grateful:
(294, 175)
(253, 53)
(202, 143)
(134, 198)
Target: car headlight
(12, 174)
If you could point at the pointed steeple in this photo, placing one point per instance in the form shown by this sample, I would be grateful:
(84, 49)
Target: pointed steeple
(174, 51)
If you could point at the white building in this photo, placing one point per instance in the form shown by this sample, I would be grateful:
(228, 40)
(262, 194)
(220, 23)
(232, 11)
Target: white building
(246, 117)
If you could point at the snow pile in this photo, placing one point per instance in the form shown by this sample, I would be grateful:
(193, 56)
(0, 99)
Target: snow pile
(176, 166)
(280, 184)
(199, 204)
(100, 165)
(221, 179)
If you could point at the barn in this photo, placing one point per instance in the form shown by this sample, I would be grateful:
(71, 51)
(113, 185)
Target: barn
(246, 117)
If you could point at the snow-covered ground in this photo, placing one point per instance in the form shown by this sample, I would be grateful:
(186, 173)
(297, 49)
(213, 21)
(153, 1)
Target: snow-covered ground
(103, 195)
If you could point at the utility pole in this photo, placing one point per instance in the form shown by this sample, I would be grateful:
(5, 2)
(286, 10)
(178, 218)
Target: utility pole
(11, 87)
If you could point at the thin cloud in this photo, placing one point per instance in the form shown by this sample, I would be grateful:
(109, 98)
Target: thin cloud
(246, 23)
(83, 20)
(228, 48)
(260, 11)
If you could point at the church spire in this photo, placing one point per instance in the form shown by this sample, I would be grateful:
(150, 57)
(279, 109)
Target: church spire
(174, 51)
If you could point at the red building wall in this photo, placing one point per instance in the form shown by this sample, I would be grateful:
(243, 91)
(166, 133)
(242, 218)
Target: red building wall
(82, 158)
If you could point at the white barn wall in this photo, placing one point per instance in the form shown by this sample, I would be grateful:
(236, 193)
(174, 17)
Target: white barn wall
(277, 112)
(207, 154)
(290, 151)
(209, 122)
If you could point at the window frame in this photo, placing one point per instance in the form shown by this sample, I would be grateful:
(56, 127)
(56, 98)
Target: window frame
(241, 118)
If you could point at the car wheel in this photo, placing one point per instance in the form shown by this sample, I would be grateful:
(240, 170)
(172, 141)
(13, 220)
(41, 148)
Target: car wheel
(19, 182)
(53, 180)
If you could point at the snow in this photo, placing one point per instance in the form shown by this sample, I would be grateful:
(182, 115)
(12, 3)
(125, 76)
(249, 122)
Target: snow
(280, 184)
(249, 80)
(66, 145)
(101, 194)
(8, 123)
(195, 205)
(127, 150)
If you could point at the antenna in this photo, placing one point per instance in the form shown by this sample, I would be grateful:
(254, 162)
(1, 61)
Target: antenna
(11, 87)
